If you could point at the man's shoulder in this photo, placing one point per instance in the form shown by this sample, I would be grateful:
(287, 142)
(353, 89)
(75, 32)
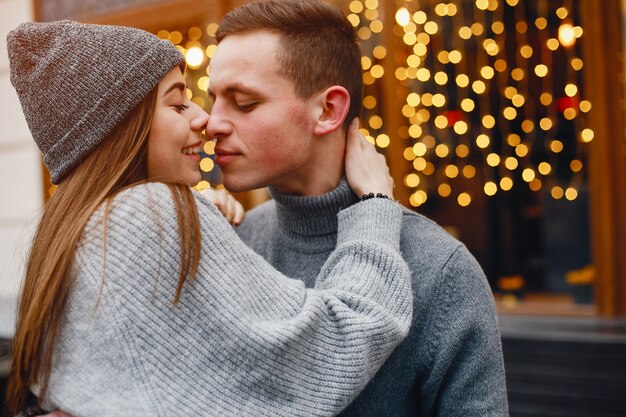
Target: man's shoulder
(425, 239)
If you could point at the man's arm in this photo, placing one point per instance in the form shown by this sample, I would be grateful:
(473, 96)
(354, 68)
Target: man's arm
(466, 377)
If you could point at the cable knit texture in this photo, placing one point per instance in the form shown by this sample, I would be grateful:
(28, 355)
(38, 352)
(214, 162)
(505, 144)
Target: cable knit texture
(451, 363)
(244, 340)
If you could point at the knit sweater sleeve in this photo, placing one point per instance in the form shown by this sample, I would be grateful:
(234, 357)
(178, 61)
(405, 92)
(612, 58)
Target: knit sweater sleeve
(465, 375)
(244, 339)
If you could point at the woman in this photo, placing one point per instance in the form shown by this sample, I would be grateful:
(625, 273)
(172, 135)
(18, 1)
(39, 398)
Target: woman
(139, 299)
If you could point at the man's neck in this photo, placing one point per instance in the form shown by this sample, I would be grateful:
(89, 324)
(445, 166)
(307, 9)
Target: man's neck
(323, 171)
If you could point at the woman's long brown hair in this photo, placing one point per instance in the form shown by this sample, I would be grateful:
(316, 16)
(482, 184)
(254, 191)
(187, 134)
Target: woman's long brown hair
(119, 162)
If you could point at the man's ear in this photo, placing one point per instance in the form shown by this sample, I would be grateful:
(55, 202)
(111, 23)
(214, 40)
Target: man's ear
(334, 104)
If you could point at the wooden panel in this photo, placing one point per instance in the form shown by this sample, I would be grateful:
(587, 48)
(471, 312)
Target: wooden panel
(607, 160)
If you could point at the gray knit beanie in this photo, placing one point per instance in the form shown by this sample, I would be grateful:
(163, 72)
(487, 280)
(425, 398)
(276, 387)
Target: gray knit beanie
(77, 81)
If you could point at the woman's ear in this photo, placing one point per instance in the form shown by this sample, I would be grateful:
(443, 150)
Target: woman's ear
(334, 104)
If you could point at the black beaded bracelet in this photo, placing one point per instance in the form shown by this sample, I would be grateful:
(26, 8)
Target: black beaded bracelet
(372, 195)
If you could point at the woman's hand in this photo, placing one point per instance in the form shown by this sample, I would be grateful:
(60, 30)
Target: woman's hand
(366, 169)
(226, 203)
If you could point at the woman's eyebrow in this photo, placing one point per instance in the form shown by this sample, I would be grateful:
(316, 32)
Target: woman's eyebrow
(176, 86)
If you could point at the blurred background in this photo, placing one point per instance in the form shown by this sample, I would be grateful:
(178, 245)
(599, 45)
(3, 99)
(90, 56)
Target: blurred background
(502, 120)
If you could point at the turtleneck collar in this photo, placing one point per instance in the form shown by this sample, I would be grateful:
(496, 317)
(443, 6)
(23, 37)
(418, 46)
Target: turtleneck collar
(312, 216)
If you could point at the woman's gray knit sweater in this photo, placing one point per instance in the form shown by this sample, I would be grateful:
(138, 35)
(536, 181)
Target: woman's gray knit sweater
(244, 340)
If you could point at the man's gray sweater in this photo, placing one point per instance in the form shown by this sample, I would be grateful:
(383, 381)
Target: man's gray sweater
(244, 340)
(451, 363)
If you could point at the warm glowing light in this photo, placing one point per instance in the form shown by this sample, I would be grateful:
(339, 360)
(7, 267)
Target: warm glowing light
(528, 175)
(511, 163)
(469, 171)
(535, 184)
(587, 135)
(526, 51)
(497, 27)
(479, 87)
(403, 17)
(544, 168)
(552, 44)
(442, 150)
(455, 56)
(379, 52)
(546, 99)
(419, 149)
(209, 147)
(489, 121)
(376, 122)
(420, 164)
(176, 37)
(571, 194)
(557, 192)
(521, 150)
(377, 71)
(490, 188)
(541, 70)
(423, 74)
(415, 131)
(462, 151)
(493, 159)
(482, 141)
(585, 106)
(506, 183)
(460, 127)
(518, 100)
(467, 104)
(510, 92)
(528, 126)
(354, 19)
(517, 74)
(382, 141)
(465, 32)
(420, 17)
(462, 80)
(412, 180)
(500, 65)
(464, 199)
(441, 78)
(369, 102)
(509, 113)
(571, 90)
(452, 171)
(513, 139)
(567, 37)
(408, 154)
(207, 165)
(487, 72)
(441, 121)
(545, 124)
(541, 23)
(576, 165)
(444, 190)
(376, 26)
(194, 57)
(556, 146)
(431, 27)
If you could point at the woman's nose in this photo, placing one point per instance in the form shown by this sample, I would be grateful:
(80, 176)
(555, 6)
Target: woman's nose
(199, 117)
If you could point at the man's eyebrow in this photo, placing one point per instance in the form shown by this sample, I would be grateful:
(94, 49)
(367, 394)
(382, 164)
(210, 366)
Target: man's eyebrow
(176, 86)
(236, 88)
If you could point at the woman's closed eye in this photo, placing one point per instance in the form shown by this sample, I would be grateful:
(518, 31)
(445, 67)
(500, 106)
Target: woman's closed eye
(181, 107)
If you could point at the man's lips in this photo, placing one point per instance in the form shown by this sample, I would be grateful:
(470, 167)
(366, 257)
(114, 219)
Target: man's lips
(223, 156)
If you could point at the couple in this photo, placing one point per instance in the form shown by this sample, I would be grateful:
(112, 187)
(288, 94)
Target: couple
(154, 306)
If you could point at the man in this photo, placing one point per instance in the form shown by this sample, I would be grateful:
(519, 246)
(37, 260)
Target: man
(285, 81)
